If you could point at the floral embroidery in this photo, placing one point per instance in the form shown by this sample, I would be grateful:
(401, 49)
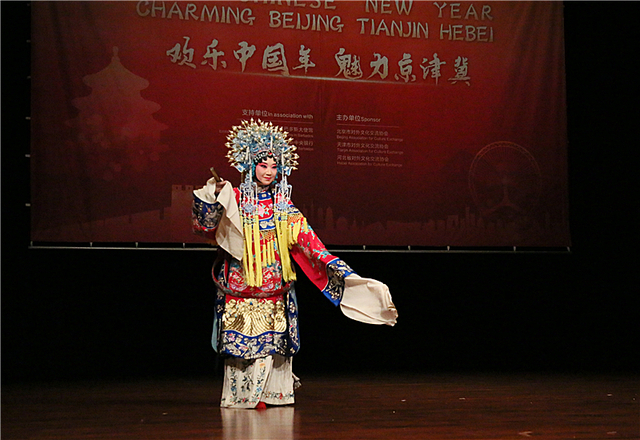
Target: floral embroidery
(292, 316)
(337, 271)
(206, 215)
(248, 347)
(252, 383)
(278, 396)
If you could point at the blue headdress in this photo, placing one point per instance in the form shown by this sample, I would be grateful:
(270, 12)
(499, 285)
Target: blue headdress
(252, 141)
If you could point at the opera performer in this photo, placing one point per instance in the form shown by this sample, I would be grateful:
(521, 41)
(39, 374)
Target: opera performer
(259, 233)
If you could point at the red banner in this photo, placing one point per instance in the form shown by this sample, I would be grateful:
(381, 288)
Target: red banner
(417, 123)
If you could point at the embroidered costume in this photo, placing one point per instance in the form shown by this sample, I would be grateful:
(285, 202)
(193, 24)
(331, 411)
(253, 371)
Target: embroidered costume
(259, 233)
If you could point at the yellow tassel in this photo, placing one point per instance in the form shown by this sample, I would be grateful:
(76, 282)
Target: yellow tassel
(258, 259)
(258, 254)
(283, 247)
(296, 231)
(279, 237)
(272, 255)
(266, 250)
(248, 260)
(281, 244)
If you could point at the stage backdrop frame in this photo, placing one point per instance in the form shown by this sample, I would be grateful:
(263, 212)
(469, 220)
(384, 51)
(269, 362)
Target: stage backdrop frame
(420, 126)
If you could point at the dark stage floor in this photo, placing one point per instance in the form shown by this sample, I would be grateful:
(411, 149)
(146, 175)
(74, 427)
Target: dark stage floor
(358, 407)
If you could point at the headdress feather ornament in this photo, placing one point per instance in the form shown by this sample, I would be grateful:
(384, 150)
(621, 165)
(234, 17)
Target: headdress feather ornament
(253, 140)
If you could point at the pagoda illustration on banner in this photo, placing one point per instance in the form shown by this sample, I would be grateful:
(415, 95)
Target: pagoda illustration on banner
(120, 141)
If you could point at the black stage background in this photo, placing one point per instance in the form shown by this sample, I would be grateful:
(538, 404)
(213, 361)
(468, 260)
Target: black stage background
(89, 314)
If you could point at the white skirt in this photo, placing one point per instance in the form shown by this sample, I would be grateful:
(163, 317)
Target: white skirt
(247, 382)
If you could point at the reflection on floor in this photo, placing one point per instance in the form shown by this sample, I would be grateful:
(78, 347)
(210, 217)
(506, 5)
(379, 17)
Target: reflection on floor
(358, 407)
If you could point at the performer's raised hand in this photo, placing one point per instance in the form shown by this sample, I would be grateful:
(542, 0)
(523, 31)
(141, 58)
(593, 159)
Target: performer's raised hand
(219, 185)
(219, 181)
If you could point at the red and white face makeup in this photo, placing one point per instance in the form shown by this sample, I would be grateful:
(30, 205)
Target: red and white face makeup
(266, 172)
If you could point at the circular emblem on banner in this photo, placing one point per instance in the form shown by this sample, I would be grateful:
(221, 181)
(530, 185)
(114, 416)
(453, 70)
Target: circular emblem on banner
(505, 180)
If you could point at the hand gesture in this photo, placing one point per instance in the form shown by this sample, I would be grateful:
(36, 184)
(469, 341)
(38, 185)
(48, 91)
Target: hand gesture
(219, 181)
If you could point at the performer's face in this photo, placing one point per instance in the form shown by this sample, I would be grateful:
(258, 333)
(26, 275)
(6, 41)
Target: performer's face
(266, 172)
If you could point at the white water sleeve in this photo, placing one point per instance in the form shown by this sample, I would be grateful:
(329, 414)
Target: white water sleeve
(368, 300)
(229, 233)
